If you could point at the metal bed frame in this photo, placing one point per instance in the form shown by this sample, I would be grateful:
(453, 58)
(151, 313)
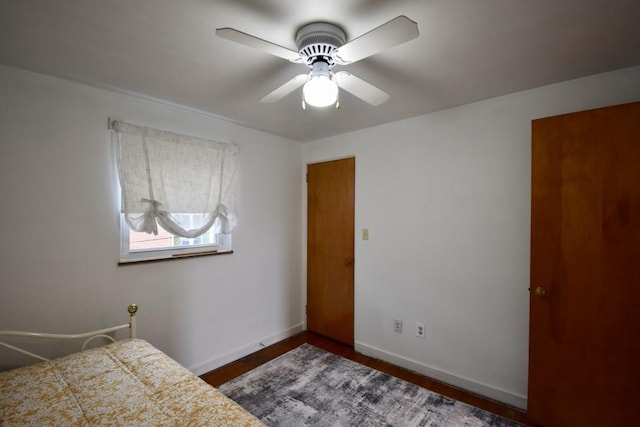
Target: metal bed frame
(89, 336)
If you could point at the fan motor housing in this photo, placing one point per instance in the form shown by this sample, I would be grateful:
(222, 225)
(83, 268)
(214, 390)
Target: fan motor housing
(318, 41)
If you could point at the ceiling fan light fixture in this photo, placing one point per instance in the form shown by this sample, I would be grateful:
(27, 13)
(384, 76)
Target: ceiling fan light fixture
(320, 90)
(321, 46)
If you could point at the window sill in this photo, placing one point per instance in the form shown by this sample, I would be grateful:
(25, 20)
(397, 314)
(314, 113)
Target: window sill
(173, 257)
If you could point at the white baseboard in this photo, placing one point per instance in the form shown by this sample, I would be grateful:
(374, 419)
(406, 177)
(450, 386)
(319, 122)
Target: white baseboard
(239, 353)
(504, 396)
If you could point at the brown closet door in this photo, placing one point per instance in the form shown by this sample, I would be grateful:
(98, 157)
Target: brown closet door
(585, 269)
(330, 241)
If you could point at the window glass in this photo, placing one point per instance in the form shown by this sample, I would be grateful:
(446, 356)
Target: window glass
(140, 246)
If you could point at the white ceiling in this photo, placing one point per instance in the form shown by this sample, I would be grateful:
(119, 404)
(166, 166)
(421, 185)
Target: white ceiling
(468, 50)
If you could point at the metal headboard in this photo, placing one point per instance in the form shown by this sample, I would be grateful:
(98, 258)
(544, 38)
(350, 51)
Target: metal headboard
(91, 335)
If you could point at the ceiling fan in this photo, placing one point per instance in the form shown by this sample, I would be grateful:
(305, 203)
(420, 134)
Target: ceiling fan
(321, 46)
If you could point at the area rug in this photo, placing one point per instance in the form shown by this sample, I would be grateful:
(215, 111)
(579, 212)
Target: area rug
(311, 387)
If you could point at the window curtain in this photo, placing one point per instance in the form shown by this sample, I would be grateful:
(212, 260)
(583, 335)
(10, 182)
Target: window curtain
(164, 174)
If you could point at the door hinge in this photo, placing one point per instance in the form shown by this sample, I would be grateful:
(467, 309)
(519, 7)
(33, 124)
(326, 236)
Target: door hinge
(305, 310)
(306, 177)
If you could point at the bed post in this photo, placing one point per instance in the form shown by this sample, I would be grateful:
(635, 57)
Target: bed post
(133, 308)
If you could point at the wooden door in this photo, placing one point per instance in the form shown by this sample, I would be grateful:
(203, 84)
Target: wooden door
(584, 356)
(330, 239)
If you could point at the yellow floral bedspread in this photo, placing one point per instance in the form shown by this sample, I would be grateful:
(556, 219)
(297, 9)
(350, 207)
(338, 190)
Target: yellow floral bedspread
(128, 383)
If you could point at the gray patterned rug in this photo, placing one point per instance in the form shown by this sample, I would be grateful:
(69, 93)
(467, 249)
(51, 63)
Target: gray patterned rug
(311, 387)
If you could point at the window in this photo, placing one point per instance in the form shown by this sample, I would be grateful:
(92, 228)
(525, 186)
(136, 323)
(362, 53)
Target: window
(141, 246)
(177, 193)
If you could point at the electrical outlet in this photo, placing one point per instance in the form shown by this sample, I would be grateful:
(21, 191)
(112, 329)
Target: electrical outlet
(397, 326)
(420, 330)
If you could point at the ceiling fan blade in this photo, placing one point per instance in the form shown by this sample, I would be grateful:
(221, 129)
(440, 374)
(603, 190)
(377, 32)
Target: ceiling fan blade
(393, 33)
(285, 89)
(257, 43)
(363, 90)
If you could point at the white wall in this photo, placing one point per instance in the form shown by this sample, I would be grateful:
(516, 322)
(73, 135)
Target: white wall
(59, 227)
(446, 199)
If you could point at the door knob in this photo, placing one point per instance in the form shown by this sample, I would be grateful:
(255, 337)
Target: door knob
(540, 292)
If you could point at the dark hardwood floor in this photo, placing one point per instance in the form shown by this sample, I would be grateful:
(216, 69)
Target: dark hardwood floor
(239, 367)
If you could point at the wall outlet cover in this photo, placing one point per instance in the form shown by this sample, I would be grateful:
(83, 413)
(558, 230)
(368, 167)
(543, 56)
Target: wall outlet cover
(397, 326)
(420, 332)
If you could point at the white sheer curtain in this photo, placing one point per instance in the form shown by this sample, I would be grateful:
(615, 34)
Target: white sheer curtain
(164, 174)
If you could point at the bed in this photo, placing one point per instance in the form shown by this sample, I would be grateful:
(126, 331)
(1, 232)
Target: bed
(128, 382)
